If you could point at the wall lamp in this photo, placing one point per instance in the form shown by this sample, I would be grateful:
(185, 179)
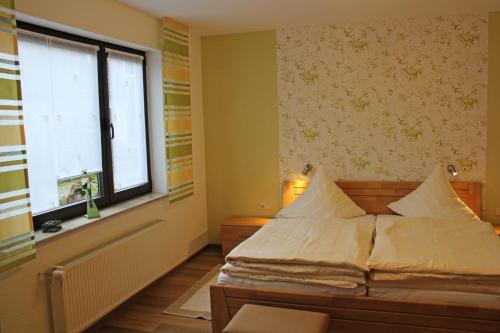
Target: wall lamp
(452, 170)
(307, 168)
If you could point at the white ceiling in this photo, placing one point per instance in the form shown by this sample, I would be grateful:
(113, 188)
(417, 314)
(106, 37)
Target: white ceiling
(213, 17)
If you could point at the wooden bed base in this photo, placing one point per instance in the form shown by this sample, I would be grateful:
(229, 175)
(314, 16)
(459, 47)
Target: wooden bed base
(357, 314)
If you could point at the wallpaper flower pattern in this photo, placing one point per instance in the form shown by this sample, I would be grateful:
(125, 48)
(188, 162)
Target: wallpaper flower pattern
(384, 101)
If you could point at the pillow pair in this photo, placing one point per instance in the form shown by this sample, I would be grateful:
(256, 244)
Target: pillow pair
(433, 198)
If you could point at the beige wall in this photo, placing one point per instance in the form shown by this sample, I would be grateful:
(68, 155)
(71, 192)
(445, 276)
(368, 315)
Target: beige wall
(241, 126)
(24, 304)
(493, 154)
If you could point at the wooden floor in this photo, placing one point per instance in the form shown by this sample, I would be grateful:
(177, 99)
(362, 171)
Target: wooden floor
(143, 312)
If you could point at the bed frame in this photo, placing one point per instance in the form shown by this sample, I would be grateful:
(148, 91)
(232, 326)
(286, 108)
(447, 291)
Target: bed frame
(361, 313)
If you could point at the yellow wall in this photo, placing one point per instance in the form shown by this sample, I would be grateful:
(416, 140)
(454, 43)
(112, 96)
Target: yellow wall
(241, 126)
(24, 306)
(493, 152)
(106, 17)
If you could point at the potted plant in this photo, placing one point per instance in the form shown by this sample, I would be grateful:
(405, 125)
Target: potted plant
(92, 210)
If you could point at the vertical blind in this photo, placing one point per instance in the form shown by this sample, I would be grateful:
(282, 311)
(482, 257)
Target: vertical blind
(177, 101)
(17, 243)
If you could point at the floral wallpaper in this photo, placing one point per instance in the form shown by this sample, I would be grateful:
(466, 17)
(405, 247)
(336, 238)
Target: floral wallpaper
(386, 100)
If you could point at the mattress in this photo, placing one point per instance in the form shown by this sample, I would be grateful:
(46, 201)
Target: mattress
(434, 284)
(437, 296)
(400, 294)
(225, 279)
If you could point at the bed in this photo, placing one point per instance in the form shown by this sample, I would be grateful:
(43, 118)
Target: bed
(361, 313)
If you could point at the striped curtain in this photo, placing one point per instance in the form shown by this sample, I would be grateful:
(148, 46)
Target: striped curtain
(177, 104)
(17, 242)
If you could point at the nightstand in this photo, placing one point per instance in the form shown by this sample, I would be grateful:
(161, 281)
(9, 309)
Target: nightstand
(236, 229)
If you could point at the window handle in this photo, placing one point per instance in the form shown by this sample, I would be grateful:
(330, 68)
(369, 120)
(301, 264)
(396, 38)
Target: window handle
(112, 130)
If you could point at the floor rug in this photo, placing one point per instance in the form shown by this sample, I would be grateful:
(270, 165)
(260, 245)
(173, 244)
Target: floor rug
(195, 302)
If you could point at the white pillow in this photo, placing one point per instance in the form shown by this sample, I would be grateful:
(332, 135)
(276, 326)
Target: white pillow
(322, 199)
(434, 198)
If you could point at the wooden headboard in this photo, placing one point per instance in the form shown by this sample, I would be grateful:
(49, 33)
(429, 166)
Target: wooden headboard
(374, 196)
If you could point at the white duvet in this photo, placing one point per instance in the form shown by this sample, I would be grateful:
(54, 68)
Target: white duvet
(422, 247)
(328, 252)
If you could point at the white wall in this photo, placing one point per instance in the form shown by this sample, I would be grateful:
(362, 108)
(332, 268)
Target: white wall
(24, 305)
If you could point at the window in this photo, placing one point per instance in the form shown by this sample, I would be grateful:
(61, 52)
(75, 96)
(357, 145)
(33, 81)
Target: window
(84, 104)
(126, 108)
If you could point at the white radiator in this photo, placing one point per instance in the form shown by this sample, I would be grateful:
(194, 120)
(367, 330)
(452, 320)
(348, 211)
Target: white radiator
(85, 288)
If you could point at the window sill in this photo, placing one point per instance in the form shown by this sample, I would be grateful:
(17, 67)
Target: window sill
(82, 222)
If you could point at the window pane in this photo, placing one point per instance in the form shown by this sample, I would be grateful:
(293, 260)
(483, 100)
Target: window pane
(61, 114)
(126, 102)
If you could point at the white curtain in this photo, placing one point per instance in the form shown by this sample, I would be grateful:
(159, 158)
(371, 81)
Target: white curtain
(61, 113)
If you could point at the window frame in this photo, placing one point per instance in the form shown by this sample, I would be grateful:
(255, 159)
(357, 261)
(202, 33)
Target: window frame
(108, 197)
